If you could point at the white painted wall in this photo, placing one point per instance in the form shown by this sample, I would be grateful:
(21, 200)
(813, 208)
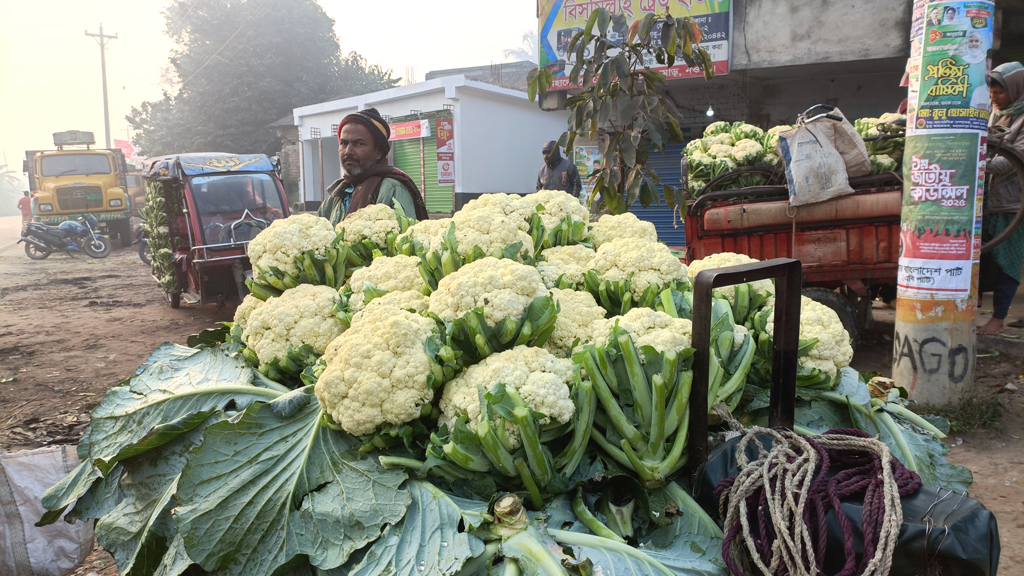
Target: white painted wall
(498, 133)
(772, 33)
(498, 141)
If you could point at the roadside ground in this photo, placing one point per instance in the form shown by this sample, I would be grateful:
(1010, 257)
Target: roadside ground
(70, 328)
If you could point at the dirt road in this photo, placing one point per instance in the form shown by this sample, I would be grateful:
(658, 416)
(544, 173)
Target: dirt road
(72, 328)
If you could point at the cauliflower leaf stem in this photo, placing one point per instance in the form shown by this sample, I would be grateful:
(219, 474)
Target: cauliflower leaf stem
(643, 423)
(473, 337)
(330, 269)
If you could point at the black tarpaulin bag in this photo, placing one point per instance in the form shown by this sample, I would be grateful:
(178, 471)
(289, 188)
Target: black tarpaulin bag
(944, 533)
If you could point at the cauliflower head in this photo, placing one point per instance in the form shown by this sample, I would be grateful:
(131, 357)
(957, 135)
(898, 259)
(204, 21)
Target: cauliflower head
(301, 315)
(716, 128)
(378, 371)
(578, 311)
(373, 223)
(695, 145)
(648, 327)
(286, 238)
(625, 225)
(833, 350)
(489, 229)
(747, 152)
(515, 207)
(504, 288)
(557, 204)
(249, 304)
(391, 273)
(541, 378)
(720, 151)
(569, 260)
(427, 233)
(402, 299)
(722, 260)
(650, 263)
(724, 139)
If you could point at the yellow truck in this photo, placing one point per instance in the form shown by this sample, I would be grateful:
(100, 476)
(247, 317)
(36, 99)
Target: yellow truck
(77, 179)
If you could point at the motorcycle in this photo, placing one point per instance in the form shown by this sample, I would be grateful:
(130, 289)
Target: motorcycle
(142, 239)
(41, 240)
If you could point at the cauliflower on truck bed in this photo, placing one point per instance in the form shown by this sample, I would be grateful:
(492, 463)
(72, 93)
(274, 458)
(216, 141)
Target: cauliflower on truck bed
(286, 238)
(537, 375)
(378, 371)
(302, 315)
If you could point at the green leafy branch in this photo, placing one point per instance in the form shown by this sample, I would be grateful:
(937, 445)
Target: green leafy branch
(621, 102)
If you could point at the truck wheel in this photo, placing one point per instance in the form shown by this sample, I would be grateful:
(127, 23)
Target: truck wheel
(843, 308)
(124, 231)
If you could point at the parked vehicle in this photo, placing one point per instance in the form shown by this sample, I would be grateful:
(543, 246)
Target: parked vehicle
(201, 212)
(145, 253)
(41, 240)
(76, 179)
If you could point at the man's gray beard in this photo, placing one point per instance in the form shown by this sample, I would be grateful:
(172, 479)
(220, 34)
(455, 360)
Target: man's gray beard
(357, 170)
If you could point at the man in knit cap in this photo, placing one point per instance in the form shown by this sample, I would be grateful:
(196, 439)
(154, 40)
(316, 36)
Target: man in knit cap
(367, 177)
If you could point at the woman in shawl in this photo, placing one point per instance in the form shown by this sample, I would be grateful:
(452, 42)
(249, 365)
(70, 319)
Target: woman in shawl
(1001, 268)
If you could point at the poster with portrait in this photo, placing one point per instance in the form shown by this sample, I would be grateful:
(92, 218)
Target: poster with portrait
(560, 20)
(587, 159)
(952, 93)
(939, 235)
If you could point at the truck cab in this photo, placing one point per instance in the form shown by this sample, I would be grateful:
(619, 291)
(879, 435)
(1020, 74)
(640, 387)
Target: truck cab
(76, 179)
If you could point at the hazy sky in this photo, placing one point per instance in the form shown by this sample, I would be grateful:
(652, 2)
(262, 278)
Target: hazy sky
(50, 71)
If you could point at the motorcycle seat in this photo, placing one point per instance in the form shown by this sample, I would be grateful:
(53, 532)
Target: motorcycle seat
(55, 230)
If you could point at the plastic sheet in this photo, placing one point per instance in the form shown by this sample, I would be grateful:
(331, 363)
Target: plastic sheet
(26, 550)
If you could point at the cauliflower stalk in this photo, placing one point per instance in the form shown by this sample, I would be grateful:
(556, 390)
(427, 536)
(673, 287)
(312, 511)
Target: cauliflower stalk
(379, 372)
(565, 266)
(289, 332)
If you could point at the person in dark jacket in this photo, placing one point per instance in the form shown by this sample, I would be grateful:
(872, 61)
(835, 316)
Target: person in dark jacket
(558, 172)
(367, 177)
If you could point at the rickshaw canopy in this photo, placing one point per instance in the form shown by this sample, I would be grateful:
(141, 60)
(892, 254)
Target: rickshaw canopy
(180, 165)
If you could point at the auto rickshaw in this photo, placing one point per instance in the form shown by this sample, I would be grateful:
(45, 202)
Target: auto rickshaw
(201, 211)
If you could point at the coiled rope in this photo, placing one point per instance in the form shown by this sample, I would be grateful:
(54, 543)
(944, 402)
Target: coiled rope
(775, 507)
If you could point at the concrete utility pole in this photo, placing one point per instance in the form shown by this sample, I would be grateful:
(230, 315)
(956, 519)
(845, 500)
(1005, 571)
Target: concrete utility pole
(102, 39)
(934, 348)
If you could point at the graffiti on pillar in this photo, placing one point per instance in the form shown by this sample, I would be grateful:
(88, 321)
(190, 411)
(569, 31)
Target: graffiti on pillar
(933, 355)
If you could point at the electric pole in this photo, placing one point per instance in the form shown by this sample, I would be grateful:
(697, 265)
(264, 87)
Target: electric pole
(934, 348)
(102, 39)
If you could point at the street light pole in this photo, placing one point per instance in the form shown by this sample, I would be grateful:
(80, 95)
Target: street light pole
(102, 39)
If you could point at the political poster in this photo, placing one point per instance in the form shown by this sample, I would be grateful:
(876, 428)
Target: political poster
(560, 20)
(951, 92)
(940, 235)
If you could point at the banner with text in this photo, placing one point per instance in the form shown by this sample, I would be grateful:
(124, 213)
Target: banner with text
(587, 160)
(445, 151)
(414, 129)
(951, 56)
(940, 236)
(560, 20)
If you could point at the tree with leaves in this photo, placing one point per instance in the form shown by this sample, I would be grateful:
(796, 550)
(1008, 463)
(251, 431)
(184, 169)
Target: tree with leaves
(241, 65)
(621, 101)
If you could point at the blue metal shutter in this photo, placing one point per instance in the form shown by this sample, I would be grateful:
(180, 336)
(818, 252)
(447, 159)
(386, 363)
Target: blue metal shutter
(666, 164)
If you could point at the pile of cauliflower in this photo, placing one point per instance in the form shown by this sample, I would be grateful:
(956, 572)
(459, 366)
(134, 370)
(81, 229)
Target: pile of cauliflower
(381, 351)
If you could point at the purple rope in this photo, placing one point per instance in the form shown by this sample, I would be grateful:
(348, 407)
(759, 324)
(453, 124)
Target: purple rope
(861, 477)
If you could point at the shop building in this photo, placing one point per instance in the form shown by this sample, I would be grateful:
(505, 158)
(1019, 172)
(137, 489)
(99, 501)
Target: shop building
(456, 138)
